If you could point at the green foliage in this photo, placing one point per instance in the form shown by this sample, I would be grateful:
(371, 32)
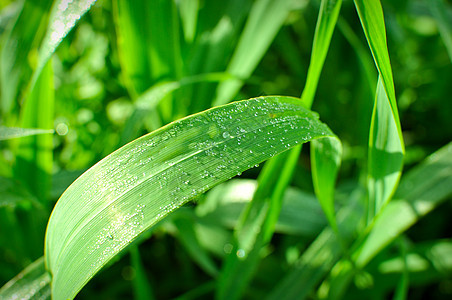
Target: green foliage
(117, 135)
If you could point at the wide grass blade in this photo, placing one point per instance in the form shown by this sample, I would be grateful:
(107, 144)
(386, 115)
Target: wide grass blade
(31, 283)
(265, 19)
(386, 147)
(7, 133)
(136, 186)
(385, 153)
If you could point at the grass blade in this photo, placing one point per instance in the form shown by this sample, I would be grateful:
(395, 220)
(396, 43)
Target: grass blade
(32, 283)
(326, 22)
(139, 184)
(63, 17)
(325, 161)
(256, 225)
(386, 147)
(141, 286)
(133, 36)
(7, 133)
(420, 191)
(264, 21)
(441, 14)
(385, 154)
(14, 67)
(34, 156)
(189, 14)
(187, 236)
(319, 258)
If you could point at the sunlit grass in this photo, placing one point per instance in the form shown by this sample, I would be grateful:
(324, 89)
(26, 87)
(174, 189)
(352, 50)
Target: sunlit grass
(136, 94)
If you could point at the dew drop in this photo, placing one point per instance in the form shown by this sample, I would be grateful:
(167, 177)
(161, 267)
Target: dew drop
(226, 135)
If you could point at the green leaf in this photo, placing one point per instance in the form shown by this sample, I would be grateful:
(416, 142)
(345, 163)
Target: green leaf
(32, 283)
(14, 67)
(141, 286)
(440, 12)
(386, 147)
(133, 188)
(189, 14)
(264, 21)
(63, 17)
(420, 191)
(7, 133)
(325, 162)
(385, 154)
(326, 22)
(34, 154)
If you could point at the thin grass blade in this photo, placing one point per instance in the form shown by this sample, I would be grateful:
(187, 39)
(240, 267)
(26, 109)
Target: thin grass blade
(34, 157)
(441, 12)
(7, 133)
(265, 19)
(325, 161)
(326, 22)
(32, 283)
(63, 17)
(141, 286)
(14, 67)
(188, 10)
(320, 257)
(386, 147)
(133, 188)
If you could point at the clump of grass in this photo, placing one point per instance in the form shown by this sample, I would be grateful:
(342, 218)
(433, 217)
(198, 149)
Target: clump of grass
(139, 94)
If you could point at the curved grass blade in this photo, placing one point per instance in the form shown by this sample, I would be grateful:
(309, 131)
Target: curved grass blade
(32, 283)
(386, 147)
(328, 14)
(385, 154)
(420, 191)
(63, 17)
(7, 133)
(133, 188)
